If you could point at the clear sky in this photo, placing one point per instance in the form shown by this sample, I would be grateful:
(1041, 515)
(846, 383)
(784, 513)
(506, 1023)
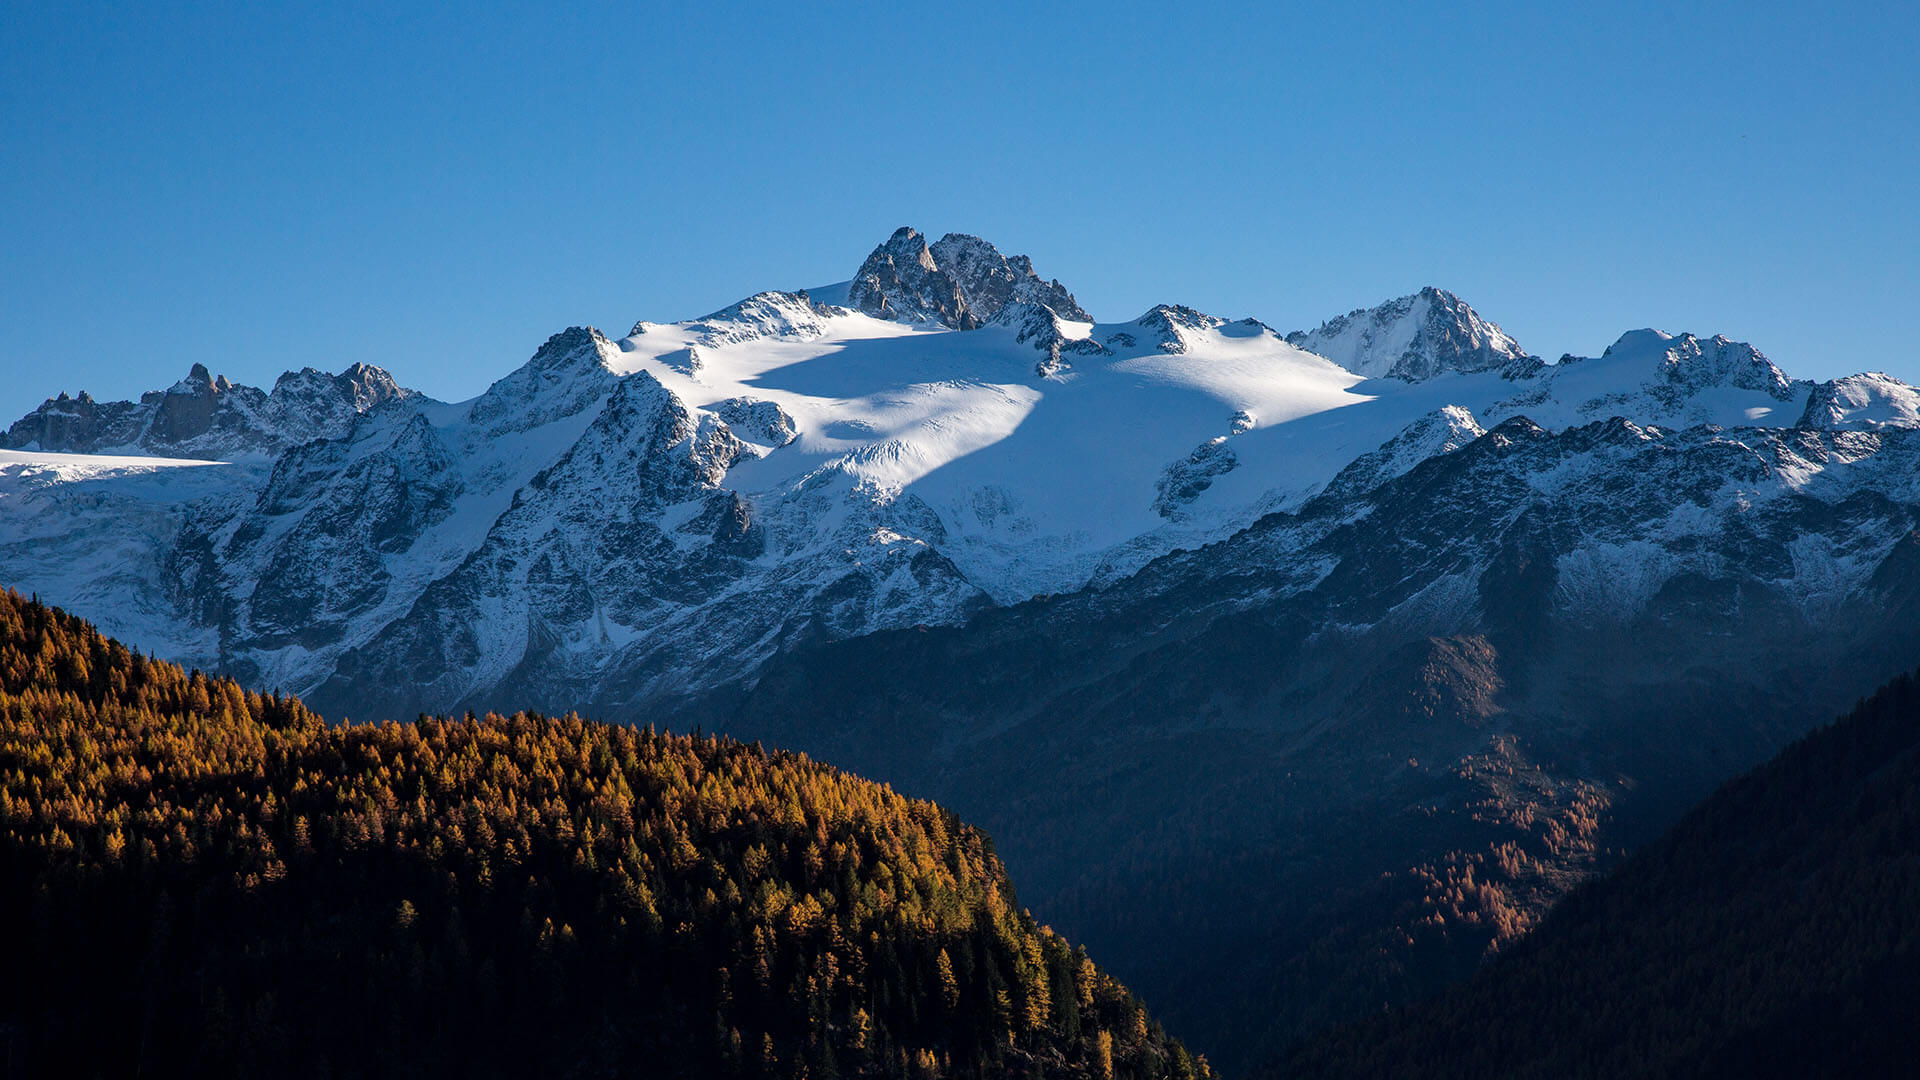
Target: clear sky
(435, 189)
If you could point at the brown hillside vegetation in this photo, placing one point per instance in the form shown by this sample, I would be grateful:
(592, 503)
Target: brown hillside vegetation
(198, 879)
(1774, 931)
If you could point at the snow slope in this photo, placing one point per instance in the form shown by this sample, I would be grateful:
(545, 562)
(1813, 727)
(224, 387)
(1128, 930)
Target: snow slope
(621, 519)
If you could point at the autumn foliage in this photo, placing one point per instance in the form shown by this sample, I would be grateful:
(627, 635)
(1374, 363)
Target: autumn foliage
(196, 878)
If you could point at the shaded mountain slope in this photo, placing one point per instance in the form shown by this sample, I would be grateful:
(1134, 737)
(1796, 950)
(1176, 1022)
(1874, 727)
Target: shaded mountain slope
(200, 880)
(1293, 677)
(1774, 931)
(1329, 764)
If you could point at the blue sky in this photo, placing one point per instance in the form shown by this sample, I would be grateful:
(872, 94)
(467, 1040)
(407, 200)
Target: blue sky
(435, 189)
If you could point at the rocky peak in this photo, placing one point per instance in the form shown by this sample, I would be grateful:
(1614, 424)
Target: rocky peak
(314, 394)
(990, 281)
(191, 407)
(1688, 364)
(1416, 337)
(961, 282)
(568, 373)
(769, 314)
(1172, 325)
(367, 387)
(900, 280)
(1868, 402)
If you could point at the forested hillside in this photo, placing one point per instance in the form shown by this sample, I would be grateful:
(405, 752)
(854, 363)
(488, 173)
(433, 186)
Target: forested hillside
(198, 879)
(1775, 931)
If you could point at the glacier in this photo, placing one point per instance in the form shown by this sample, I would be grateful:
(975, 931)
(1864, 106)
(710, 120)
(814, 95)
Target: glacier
(625, 520)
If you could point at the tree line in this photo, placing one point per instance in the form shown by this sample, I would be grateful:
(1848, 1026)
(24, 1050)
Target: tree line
(198, 878)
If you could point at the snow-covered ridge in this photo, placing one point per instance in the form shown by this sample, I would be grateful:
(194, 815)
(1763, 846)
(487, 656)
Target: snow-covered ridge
(651, 514)
(208, 416)
(1415, 337)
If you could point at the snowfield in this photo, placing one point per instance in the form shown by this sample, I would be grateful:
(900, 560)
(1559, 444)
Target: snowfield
(651, 514)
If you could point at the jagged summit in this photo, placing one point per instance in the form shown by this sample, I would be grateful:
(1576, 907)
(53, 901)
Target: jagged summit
(569, 372)
(1687, 363)
(1871, 401)
(900, 280)
(769, 314)
(199, 381)
(961, 282)
(1416, 337)
(204, 415)
(989, 281)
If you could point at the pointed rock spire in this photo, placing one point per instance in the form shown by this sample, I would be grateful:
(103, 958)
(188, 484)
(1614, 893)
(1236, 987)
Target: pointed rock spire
(1415, 338)
(901, 281)
(960, 282)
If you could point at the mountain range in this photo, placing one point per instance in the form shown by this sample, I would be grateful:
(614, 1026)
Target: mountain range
(1295, 673)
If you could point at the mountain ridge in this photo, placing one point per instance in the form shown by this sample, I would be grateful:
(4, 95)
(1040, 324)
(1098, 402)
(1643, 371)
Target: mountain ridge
(1031, 562)
(203, 415)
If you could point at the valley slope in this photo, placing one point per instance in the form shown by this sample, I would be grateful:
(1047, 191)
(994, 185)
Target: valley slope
(200, 880)
(1295, 672)
(1770, 933)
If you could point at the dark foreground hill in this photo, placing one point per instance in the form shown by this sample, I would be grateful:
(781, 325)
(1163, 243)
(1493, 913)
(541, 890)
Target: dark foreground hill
(198, 880)
(1775, 931)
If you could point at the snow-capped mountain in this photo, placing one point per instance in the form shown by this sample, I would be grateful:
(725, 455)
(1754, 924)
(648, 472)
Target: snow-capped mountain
(960, 283)
(943, 525)
(206, 416)
(1416, 337)
(622, 520)
(1371, 738)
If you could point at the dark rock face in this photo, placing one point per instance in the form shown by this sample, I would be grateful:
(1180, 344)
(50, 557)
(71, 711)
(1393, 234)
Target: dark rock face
(901, 281)
(329, 515)
(1038, 325)
(1400, 722)
(1184, 481)
(75, 424)
(204, 415)
(961, 282)
(187, 409)
(990, 281)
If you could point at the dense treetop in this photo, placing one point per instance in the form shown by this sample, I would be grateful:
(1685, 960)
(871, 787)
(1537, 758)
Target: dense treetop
(1772, 932)
(195, 878)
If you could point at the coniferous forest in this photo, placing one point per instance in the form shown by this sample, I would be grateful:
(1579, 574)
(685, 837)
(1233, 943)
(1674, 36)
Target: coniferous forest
(196, 879)
(1774, 931)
